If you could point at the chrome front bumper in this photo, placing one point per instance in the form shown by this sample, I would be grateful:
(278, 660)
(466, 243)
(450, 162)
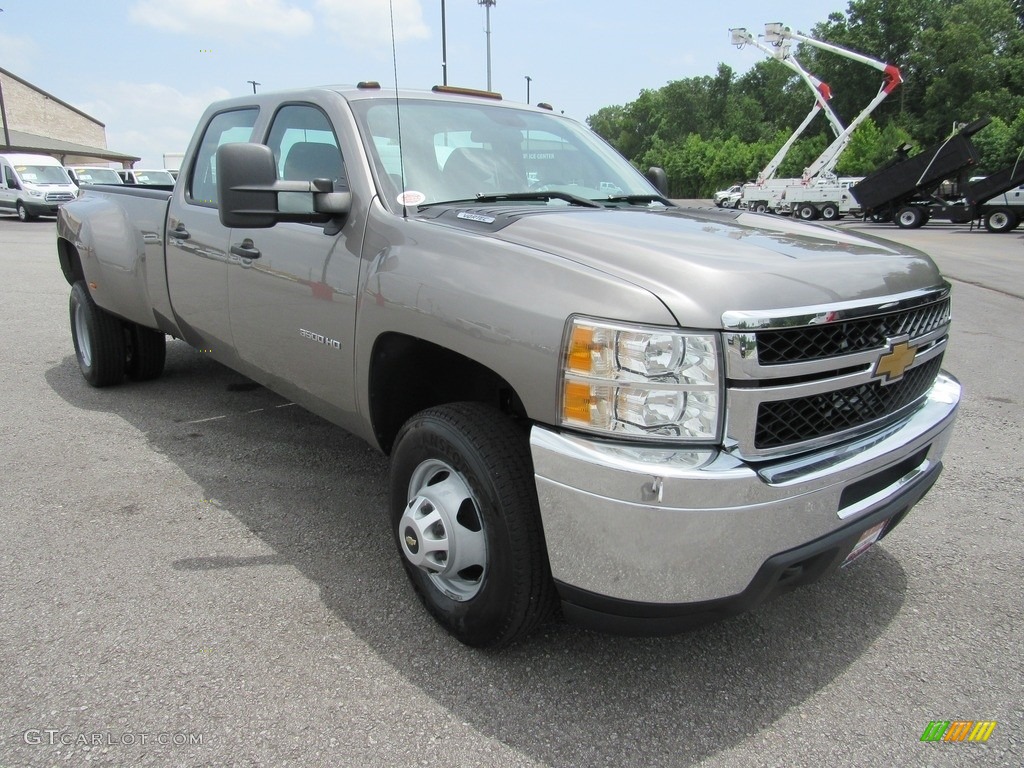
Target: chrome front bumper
(643, 525)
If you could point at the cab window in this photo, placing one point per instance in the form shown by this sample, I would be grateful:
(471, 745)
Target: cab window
(305, 149)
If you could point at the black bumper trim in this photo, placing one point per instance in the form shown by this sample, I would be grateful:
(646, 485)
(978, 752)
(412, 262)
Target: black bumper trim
(779, 574)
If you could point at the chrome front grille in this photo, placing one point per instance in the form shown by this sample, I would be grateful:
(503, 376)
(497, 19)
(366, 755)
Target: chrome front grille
(802, 378)
(816, 342)
(785, 422)
(59, 197)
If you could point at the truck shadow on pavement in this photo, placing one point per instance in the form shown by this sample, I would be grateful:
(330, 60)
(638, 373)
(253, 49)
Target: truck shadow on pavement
(317, 497)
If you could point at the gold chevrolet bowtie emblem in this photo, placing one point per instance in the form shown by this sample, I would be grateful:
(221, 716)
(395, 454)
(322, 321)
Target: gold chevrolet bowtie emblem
(892, 364)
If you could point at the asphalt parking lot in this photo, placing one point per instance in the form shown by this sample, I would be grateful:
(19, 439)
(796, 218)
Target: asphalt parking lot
(196, 573)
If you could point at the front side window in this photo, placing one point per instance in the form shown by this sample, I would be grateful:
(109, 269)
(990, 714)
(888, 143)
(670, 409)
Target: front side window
(305, 149)
(225, 128)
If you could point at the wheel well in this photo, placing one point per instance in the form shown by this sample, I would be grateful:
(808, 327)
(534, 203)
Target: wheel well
(409, 374)
(70, 261)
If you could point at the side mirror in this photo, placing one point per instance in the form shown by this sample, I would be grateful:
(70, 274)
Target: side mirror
(658, 178)
(248, 189)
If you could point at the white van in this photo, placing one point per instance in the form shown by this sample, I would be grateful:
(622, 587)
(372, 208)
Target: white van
(33, 185)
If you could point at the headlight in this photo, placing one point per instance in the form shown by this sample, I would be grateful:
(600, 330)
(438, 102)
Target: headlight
(642, 381)
(35, 193)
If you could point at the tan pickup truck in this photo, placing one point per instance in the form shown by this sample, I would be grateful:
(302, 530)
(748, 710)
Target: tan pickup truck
(646, 415)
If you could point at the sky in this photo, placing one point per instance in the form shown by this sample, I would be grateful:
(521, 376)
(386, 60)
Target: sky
(148, 68)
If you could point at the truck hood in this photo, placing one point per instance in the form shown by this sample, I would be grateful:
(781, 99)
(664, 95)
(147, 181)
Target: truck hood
(704, 262)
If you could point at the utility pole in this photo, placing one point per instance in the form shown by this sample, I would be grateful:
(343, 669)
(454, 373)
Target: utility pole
(487, 8)
(444, 49)
(254, 84)
(528, 81)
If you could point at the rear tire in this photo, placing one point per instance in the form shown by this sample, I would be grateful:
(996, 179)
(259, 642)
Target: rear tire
(909, 217)
(1001, 220)
(761, 208)
(807, 212)
(98, 337)
(830, 212)
(146, 352)
(467, 524)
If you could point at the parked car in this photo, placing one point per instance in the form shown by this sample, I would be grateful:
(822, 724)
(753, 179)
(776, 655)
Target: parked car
(34, 185)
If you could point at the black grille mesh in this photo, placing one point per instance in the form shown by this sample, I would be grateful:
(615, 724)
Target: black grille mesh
(819, 342)
(804, 418)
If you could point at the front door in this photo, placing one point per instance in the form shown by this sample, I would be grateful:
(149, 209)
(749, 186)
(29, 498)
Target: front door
(291, 288)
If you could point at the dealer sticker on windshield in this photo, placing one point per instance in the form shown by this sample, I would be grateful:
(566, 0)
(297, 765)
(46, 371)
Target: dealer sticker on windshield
(869, 537)
(411, 197)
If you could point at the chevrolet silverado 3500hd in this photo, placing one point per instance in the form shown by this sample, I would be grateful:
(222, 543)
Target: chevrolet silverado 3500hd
(650, 415)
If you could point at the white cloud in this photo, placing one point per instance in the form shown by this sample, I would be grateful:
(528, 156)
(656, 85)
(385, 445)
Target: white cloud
(149, 119)
(223, 16)
(365, 23)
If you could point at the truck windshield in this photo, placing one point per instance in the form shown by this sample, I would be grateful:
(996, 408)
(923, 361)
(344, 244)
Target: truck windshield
(154, 177)
(97, 176)
(42, 174)
(457, 151)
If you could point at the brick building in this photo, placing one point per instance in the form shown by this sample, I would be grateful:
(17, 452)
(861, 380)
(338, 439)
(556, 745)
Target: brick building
(34, 121)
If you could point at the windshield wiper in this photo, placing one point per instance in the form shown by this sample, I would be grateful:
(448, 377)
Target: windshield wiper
(633, 199)
(545, 196)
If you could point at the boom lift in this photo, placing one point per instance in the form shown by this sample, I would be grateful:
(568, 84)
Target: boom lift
(822, 95)
(819, 192)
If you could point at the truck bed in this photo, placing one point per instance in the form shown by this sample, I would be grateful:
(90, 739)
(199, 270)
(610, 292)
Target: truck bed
(995, 184)
(921, 173)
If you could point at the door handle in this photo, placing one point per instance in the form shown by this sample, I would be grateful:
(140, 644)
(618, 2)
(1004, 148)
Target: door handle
(179, 232)
(246, 249)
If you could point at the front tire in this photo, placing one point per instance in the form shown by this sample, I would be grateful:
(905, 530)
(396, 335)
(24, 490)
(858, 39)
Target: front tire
(467, 524)
(98, 337)
(23, 213)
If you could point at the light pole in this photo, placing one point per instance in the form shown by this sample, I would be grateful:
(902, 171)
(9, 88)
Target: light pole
(487, 8)
(528, 81)
(254, 84)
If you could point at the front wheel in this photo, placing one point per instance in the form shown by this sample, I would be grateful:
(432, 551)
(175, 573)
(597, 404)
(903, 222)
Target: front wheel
(465, 516)
(98, 337)
(23, 213)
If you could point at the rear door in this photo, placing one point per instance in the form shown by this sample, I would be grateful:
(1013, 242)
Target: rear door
(197, 243)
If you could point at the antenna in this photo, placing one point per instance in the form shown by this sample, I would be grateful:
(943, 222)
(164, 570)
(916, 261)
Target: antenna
(398, 109)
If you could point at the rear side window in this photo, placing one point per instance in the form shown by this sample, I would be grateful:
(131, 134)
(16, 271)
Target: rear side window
(225, 128)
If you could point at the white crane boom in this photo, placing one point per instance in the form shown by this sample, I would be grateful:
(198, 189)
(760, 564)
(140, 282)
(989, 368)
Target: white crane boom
(822, 95)
(778, 34)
